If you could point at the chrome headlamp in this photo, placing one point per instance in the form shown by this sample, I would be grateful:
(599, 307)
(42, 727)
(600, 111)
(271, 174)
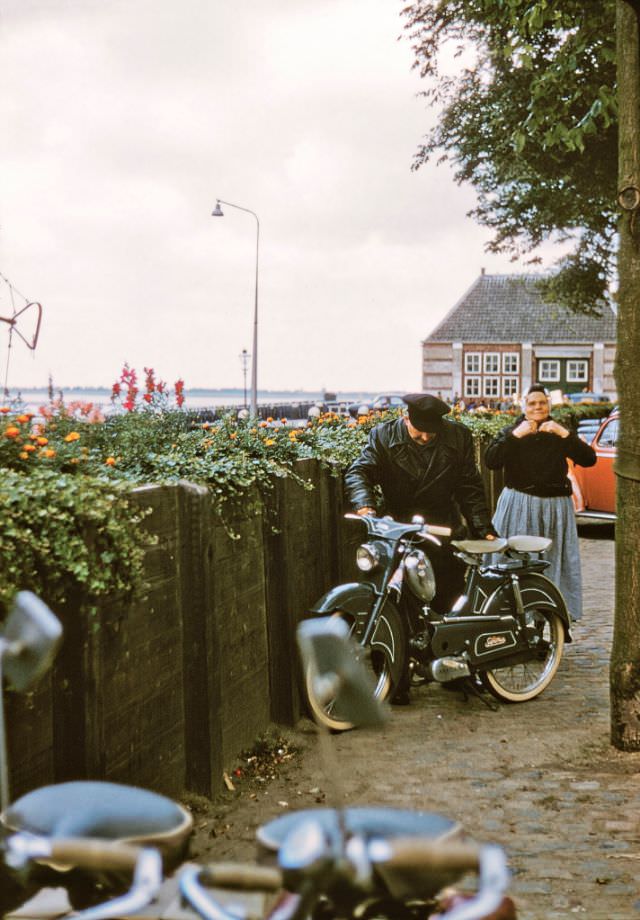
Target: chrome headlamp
(420, 575)
(367, 557)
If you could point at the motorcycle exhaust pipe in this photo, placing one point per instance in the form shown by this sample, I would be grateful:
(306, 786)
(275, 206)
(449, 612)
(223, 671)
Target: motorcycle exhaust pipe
(446, 669)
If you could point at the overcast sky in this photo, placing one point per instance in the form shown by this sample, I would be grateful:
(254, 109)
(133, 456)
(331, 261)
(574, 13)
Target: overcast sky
(121, 123)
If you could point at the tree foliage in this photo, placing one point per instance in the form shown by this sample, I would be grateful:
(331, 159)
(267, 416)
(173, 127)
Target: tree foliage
(531, 122)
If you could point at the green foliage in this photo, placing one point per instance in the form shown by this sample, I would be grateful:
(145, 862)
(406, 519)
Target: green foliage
(531, 123)
(68, 527)
(63, 535)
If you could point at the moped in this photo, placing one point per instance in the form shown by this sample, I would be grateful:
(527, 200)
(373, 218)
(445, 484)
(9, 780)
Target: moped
(90, 838)
(506, 632)
(343, 864)
(329, 863)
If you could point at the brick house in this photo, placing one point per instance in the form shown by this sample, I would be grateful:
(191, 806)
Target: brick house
(501, 337)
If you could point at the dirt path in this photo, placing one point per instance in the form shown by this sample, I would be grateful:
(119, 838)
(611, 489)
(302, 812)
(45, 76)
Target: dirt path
(539, 778)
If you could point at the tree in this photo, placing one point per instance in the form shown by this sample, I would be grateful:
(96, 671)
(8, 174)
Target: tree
(530, 122)
(625, 655)
(533, 124)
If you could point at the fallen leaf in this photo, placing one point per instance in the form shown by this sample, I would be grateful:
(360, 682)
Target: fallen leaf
(228, 783)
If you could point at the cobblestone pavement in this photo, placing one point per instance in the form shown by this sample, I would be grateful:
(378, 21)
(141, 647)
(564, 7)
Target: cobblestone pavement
(539, 778)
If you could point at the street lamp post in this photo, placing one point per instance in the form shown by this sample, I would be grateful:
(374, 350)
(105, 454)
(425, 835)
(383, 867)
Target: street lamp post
(244, 357)
(218, 212)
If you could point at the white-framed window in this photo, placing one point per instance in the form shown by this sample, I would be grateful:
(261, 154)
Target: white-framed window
(549, 370)
(491, 386)
(472, 386)
(509, 386)
(510, 362)
(491, 362)
(577, 371)
(472, 362)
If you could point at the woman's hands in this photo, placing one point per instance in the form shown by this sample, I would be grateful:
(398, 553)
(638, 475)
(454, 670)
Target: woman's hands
(527, 427)
(552, 427)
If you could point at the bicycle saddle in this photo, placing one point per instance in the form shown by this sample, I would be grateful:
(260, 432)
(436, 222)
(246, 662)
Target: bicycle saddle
(103, 810)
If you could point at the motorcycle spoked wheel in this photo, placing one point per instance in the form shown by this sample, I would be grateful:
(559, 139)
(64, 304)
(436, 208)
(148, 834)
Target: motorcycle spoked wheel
(377, 658)
(521, 682)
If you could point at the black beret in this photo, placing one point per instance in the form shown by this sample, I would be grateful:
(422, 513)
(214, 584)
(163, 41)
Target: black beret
(426, 411)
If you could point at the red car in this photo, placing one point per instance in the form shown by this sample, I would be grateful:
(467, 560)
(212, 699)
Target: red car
(594, 487)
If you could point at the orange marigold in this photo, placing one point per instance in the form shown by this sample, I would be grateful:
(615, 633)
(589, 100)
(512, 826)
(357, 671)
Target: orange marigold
(269, 441)
(23, 455)
(5, 409)
(23, 419)
(42, 440)
(110, 461)
(72, 436)
(29, 448)
(11, 432)
(49, 452)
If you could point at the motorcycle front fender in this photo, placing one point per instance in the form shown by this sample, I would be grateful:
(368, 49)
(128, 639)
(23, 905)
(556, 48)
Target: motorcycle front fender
(357, 600)
(352, 597)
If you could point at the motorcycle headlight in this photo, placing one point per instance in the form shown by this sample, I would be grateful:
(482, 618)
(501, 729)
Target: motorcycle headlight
(367, 557)
(420, 575)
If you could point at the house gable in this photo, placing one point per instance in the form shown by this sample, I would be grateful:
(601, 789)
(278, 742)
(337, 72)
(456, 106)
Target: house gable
(504, 316)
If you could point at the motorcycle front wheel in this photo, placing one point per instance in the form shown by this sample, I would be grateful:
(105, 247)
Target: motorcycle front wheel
(526, 680)
(388, 646)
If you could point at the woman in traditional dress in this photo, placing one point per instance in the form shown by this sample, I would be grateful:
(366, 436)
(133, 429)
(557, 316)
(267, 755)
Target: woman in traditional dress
(536, 499)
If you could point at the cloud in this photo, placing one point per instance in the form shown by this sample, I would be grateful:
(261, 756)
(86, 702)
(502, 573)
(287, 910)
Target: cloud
(122, 124)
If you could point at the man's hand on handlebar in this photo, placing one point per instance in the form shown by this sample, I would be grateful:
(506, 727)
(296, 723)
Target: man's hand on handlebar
(366, 510)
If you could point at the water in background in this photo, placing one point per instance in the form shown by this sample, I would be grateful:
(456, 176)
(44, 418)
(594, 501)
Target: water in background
(31, 400)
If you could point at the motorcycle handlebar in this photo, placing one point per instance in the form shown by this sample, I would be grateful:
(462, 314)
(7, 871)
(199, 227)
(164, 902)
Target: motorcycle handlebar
(436, 530)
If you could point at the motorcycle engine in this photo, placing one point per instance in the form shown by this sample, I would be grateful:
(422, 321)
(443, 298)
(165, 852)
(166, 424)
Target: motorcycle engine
(420, 575)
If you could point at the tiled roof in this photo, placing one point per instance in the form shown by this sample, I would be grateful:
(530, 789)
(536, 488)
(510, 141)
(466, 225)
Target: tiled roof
(509, 308)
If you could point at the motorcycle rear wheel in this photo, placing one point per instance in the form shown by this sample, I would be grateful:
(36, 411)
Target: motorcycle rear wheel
(521, 682)
(377, 659)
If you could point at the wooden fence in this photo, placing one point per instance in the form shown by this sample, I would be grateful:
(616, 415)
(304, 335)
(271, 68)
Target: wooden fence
(167, 691)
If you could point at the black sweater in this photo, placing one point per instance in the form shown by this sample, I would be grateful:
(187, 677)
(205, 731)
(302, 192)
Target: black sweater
(537, 463)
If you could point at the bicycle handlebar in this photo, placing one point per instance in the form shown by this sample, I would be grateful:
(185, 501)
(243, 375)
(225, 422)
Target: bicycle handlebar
(144, 863)
(416, 853)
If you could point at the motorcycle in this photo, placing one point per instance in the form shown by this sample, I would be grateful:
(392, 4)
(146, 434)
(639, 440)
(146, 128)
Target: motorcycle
(505, 633)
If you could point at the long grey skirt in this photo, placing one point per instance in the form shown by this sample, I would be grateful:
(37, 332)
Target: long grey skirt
(519, 513)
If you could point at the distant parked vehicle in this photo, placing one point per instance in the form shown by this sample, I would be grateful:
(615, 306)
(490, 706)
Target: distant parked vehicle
(594, 487)
(379, 403)
(587, 397)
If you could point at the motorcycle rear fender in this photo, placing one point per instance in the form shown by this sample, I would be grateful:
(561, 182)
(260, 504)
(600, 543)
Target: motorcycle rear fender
(352, 597)
(547, 595)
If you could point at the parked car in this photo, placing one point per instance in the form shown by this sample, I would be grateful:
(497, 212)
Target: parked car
(587, 397)
(379, 403)
(594, 487)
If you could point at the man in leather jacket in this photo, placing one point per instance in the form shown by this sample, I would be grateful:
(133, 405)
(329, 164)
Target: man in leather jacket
(424, 464)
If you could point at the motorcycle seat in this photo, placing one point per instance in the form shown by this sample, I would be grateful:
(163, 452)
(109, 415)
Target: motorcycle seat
(527, 544)
(480, 547)
(107, 811)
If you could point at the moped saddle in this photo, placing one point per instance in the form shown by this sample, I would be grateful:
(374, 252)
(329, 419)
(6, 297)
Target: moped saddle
(480, 546)
(368, 821)
(103, 810)
(528, 544)
(385, 823)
